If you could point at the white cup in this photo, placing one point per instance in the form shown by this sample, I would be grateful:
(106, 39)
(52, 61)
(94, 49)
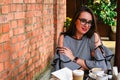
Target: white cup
(97, 71)
(78, 74)
(118, 76)
(115, 70)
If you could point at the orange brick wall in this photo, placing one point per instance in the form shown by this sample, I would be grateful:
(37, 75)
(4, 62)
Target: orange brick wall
(28, 34)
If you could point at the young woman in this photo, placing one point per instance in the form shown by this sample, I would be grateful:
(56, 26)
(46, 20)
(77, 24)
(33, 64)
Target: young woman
(79, 46)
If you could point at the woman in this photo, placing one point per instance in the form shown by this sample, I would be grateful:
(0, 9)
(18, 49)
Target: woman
(79, 46)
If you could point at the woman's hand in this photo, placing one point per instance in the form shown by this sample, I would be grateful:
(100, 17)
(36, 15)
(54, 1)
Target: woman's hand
(67, 52)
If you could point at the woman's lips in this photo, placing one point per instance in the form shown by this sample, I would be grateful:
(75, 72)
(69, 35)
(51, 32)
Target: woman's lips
(84, 29)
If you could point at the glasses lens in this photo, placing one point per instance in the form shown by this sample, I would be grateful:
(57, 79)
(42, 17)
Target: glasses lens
(90, 23)
(84, 21)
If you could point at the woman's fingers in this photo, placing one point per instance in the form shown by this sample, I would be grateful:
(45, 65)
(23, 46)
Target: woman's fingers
(62, 49)
(67, 52)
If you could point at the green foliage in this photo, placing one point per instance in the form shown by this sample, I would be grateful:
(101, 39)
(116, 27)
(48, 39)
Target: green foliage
(105, 10)
(67, 22)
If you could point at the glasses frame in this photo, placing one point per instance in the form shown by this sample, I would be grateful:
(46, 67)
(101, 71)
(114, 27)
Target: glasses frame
(84, 21)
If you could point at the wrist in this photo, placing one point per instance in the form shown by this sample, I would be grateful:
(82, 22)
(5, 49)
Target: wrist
(72, 58)
(75, 59)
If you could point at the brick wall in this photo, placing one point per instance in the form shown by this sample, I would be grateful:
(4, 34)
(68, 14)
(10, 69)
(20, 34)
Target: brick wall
(28, 33)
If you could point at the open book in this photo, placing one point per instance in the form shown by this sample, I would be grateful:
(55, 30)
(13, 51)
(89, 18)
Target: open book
(63, 74)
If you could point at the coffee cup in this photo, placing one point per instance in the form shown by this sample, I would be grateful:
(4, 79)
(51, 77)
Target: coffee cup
(78, 74)
(115, 70)
(96, 71)
(102, 77)
(118, 76)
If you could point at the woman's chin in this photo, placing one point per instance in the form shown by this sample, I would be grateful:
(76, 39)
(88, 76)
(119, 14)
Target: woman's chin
(84, 32)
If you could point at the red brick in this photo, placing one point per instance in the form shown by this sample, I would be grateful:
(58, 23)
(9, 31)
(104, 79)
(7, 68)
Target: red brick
(37, 64)
(32, 1)
(9, 77)
(1, 67)
(5, 9)
(6, 1)
(13, 7)
(39, 1)
(38, 13)
(14, 56)
(22, 67)
(21, 38)
(21, 23)
(17, 63)
(47, 1)
(10, 16)
(28, 28)
(17, 47)
(13, 24)
(20, 53)
(18, 30)
(1, 29)
(30, 14)
(7, 65)
(6, 46)
(1, 1)
(29, 62)
(15, 72)
(29, 1)
(14, 40)
(30, 7)
(27, 56)
(29, 34)
(4, 56)
(5, 28)
(24, 8)
(21, 76)
(17, 1)
(28, 21)
(3, 19)
(33, 53)
(35, 58)
(26, 1)
(1, 48)
(19, 7)
(19, 15)
(3, 75)
(38, 7)
(4, 37)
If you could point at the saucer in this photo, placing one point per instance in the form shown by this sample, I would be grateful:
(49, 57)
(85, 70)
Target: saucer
(93, 76)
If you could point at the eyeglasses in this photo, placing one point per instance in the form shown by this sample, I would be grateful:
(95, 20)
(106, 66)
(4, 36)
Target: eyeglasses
(84, 21)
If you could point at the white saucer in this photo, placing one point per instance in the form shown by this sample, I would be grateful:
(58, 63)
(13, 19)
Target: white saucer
(93, 76)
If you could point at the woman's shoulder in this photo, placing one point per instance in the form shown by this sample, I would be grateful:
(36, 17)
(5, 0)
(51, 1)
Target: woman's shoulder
(97, 39)
(95, 36)
(60, 40)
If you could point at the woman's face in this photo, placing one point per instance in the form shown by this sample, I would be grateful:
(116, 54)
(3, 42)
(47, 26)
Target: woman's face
(83, 23)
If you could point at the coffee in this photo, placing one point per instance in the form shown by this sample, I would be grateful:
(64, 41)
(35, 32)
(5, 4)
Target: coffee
(78, 74)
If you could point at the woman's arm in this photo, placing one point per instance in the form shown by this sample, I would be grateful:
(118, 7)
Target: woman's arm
(68, 53)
